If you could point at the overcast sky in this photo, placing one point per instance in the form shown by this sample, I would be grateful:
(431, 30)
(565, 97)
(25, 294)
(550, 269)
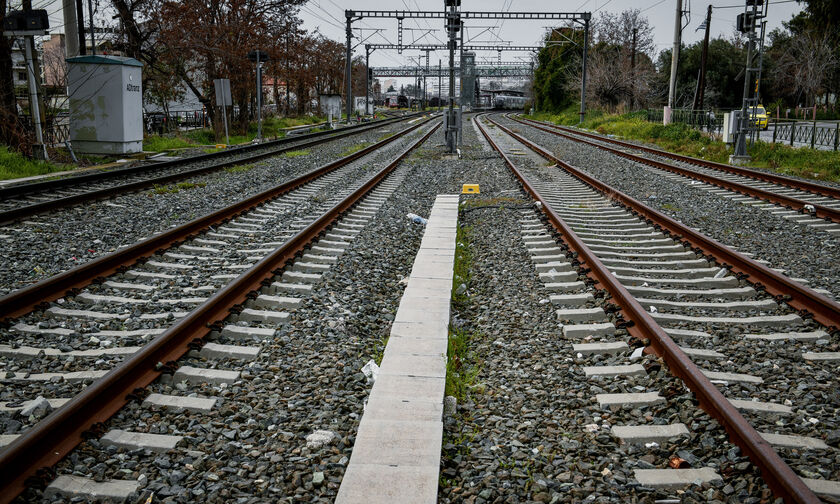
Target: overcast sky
(328, 17)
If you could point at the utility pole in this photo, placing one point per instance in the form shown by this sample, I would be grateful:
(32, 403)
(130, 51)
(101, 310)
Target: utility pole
(348, 66)
(633, 71)
(701, 81)
(71, 34)
(675, 57)
(90, 21)
(585, 55)
(80, 23)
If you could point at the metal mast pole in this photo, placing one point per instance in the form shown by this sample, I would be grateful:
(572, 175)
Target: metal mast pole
(675, 55)
(585, 55)
(745, 123)
(39, 150)
(367, 78)
(633, 71)
(259, 97)
(348, 66)
(440, 85)
(452, 22)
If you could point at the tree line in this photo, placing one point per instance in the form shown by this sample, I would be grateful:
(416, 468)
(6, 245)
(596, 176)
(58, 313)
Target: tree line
(801, 65)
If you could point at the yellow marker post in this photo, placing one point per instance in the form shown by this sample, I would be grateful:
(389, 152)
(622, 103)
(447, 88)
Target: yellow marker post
(470, 189)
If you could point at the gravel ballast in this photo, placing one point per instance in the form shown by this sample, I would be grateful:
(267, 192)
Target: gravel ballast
(51, 243)
(801, 251)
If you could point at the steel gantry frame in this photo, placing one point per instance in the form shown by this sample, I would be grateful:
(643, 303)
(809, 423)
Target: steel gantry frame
(351, 16)
(518, 70)
(369, 48)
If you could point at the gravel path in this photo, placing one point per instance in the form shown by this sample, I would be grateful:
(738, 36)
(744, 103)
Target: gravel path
(801, 251)
(52, 243)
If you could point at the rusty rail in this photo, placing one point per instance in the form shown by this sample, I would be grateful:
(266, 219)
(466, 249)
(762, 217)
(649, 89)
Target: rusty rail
(14, 214)
(26, 299)
(804, 185)
(821, 211)
(52, 438)
(824, 310)
(778, 475)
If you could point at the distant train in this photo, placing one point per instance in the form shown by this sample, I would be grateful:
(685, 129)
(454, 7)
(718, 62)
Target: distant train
(509, 102)
(400, 101)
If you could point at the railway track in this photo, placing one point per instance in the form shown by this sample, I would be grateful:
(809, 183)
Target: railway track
(805, 202)
(220, 285)
(21, 201)
(710, 313)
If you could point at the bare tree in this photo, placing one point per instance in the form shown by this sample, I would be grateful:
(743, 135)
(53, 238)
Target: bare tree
(804, 65)
(617, 29)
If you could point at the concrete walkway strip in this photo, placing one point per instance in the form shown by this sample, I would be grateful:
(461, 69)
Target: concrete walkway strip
(396, 456)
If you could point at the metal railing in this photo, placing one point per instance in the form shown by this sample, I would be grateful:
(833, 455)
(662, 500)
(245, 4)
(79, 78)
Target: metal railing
(811, 133)
(159, 122)
(705, 120)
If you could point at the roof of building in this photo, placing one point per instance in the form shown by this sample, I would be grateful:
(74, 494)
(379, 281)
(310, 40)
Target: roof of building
(102, 59)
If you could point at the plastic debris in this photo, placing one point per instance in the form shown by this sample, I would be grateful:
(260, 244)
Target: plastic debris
(721, 273)
(637, 353)
(653, 309)
(810, 209)
(371, 371)
(417, 219)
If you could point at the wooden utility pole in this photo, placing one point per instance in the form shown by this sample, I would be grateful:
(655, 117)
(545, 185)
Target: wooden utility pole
(71, 35)
(701, 81)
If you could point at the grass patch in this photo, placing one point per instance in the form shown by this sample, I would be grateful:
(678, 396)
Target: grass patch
(385, 136)
(296, 153)
(462, 367)
(239, 168)
(174, 188)
(155, 143)
(15, 165)
(682, 139)
(668, 206)
(461, 363)
(355, 148)
(272, 127)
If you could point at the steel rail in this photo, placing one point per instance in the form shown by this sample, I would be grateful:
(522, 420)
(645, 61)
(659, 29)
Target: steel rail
(52, 438)
(45, 206)
(821, 211)
(826, 311)
(804, 185)
(778, 475)
(17, 190)
(24, 300)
